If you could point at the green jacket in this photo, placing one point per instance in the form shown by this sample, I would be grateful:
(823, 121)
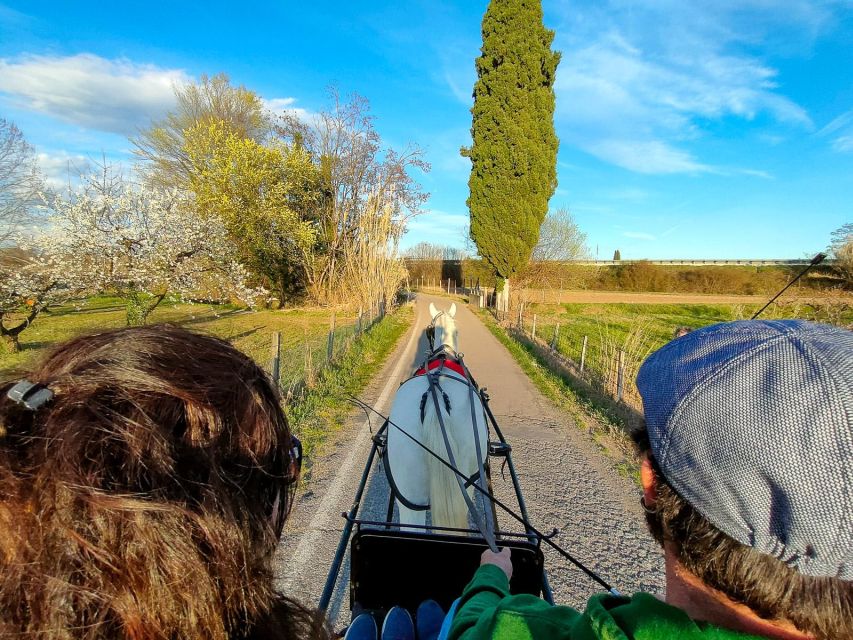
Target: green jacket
(487, 610)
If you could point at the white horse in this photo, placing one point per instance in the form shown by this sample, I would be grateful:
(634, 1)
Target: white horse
(419, 477)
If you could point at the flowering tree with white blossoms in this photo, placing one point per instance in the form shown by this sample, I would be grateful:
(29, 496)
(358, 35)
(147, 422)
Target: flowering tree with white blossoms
(143, 244)
(31, 280)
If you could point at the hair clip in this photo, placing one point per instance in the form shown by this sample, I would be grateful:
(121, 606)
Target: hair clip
(30, 395)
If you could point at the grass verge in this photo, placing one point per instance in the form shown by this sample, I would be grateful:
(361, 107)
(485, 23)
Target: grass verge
(324, 407)
(303, 330)
(607, 429)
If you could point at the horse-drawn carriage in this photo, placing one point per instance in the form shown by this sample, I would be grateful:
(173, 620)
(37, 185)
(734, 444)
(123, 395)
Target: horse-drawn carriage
(437, 450)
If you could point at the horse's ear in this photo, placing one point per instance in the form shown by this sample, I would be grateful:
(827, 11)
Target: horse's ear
(452, 312)
(433, 312)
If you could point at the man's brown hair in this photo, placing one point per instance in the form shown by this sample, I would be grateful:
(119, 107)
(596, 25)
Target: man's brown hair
(145, 500)
(822, 607)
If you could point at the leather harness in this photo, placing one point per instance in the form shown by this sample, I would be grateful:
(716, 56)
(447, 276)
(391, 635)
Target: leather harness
(445, 363)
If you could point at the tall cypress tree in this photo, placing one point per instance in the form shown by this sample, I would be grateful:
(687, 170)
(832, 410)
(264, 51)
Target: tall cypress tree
(514, 151)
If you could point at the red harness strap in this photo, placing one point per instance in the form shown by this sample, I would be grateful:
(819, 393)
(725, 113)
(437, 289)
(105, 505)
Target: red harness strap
(453, 365)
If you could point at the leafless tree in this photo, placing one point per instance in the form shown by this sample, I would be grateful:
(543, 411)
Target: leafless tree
(842, 250)
(560, 238)
(20, 180)
(425, 251)
(363, 180)
(430, 251)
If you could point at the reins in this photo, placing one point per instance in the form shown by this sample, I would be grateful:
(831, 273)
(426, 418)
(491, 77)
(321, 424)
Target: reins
(482, 523)
(430, 332)
(526, 523)
(445, 353)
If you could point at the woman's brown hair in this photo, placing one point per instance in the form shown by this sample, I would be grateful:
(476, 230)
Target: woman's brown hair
(145, 500)
(819, 606)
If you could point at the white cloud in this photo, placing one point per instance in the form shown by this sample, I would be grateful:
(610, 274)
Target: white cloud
(638, 83)
(843, 144)
(756, 173)
(106, 95)
(61, 168)
(460, 82)
(116, 96)
(286, 106)
(842, 122)
(841, 131)
(646, 156)
(639, 235)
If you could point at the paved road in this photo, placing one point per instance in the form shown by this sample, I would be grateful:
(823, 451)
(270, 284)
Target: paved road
(566, 481)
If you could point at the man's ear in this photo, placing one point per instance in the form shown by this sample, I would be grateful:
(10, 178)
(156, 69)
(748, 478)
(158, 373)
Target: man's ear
(649, 481)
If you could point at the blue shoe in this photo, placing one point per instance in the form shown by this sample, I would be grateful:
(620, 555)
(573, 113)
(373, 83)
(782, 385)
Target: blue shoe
(398, 625)
(362, 628)
(429, 617)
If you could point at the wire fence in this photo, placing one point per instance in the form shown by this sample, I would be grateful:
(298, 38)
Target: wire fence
(296, 365)
(606, 360)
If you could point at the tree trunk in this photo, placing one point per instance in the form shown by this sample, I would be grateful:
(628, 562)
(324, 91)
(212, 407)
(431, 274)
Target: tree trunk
(503, 297)
(11, 336)
(11, 343)
(138, 308)
(282, 291)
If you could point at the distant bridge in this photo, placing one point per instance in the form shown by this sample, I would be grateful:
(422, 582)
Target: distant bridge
(745, 262)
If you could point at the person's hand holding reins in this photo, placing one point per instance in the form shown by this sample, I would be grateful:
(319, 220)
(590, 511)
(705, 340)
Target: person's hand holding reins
(501, 560)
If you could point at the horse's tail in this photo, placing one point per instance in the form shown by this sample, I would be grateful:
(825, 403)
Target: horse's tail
(447, 503)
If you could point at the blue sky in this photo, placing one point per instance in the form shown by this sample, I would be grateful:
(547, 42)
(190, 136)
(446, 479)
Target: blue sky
(715, 129)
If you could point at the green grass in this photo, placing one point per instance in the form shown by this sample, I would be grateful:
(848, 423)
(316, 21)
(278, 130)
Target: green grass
(303, 331)
(314, 414)
(325, 406)
(596, 418)
(617, 321)
(637, 330)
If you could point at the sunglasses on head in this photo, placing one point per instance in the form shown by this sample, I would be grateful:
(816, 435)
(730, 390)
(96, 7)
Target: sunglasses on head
(295, 467)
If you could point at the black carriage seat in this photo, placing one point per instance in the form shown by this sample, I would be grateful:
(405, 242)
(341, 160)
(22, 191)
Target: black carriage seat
(405, 568)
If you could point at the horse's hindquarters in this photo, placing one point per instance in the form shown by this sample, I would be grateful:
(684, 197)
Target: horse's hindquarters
(418, 476)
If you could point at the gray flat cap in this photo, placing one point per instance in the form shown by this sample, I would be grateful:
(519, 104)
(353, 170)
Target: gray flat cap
(752, 423)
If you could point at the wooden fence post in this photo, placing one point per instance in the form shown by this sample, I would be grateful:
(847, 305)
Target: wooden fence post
(330, 345)
(358, 328)
(556, 336)
(620, 375)
(448, 286)
(533, 333)
(583, 353)
(275, 365)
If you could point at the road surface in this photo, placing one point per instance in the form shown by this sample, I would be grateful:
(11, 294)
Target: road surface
(566, 481)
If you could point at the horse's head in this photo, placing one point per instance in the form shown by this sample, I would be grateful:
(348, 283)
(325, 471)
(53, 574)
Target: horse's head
(444, 324)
